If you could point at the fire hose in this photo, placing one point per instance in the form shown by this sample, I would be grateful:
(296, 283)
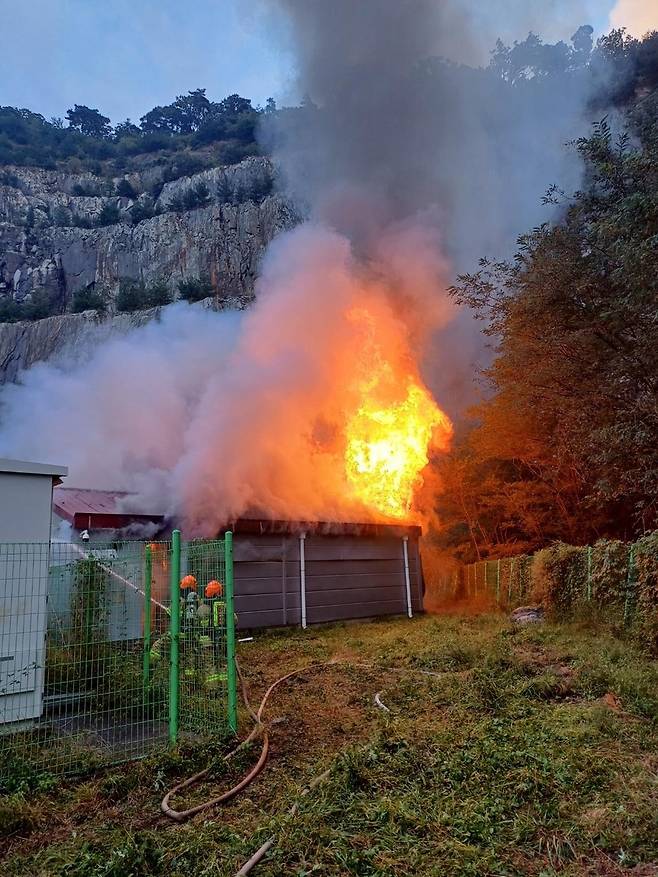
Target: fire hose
(259, 727)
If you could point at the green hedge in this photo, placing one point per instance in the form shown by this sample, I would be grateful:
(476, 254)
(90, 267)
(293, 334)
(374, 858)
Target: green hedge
(616, 582)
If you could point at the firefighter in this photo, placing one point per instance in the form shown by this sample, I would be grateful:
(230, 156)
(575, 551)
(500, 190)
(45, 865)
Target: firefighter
(202, 627)
(188, 599)
(211, 623)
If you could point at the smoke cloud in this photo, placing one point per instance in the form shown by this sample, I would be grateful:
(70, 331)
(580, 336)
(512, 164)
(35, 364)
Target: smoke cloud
(408, 169)
(637, 16)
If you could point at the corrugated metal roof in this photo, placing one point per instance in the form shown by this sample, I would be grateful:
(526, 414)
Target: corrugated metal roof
(73, 500)
(96, 508)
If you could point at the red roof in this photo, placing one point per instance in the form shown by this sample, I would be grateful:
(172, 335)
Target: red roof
(96, 509)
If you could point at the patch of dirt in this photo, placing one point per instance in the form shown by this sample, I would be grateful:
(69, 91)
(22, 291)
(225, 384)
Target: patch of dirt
(611, 700)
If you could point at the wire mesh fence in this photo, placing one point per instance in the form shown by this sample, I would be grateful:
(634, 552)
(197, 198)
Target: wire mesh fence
(203, 666)
(615, 576)
(504, 582)
(110, 650)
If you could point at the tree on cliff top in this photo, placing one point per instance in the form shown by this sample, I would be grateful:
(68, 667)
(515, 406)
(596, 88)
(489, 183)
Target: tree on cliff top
(89, 122)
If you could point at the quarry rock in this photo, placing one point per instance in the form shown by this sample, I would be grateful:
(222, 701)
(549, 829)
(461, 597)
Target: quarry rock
(41, 250)
(67, 336)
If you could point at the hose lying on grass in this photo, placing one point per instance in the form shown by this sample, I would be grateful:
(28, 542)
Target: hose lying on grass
(261, 728)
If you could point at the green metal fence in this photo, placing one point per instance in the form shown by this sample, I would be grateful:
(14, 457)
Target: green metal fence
(604, 575)
(110, 650)
(505, 581)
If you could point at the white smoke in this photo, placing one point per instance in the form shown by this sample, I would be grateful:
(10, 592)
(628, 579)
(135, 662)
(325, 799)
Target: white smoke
(209, 416)
(637, 16)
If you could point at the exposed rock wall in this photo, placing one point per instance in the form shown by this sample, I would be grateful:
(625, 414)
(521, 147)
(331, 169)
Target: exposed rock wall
(224, 239)
(24, 344)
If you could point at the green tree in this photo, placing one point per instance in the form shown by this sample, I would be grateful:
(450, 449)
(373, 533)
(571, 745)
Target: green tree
(195, 288)
(90, 123)
(131, 296)
(89, 299)
(573, 410)
(109, 215)
(157, 295)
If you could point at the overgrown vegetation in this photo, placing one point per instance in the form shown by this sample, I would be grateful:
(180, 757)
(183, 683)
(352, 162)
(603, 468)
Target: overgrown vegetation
(38, 305)
(532, 752)
(564, 447)
(135, 295)
(612, 582)
(195, 288)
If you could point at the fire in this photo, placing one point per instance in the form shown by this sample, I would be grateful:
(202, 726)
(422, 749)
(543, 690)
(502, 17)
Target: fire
(389, 437)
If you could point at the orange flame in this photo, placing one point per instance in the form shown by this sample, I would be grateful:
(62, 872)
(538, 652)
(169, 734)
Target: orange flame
(389, 437)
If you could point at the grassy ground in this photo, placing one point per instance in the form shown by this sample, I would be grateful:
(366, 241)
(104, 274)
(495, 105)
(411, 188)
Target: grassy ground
(533, 751)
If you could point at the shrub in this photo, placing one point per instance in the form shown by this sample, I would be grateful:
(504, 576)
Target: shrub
(191, 199)
(109, 215)
(10, 310)
(38, 306)
(143, 209)
(135, 295)
(233, 152)
(7, 178)
(130, 297)
(197, 196)
(81, 221)
(84, 189)
(61, 216)
(262, 187)
(184, 165)
(645, 582)
(125, 189)
(195, 288)
(157, 294)
(557, 577)
(89, 299)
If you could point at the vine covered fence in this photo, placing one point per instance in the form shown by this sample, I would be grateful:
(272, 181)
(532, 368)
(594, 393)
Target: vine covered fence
(617, 581)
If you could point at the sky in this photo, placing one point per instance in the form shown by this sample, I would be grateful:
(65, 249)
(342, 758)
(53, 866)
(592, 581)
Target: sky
(126, 56)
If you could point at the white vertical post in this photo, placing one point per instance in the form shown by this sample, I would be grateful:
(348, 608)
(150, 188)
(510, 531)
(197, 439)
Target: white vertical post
(407, 583)
(302, 578)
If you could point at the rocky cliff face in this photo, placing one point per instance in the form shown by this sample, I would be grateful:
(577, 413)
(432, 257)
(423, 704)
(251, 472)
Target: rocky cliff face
(51, 241)
(63, 337)
(45, 246)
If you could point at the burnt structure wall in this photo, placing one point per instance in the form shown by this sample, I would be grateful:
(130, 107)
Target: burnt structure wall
(344, 576)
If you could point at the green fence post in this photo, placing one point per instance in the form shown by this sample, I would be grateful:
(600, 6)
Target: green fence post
(174, 630)
(231, 674)
(146, 664)
(589, 572)
(498, 582)
(629, 583)
(509, 585)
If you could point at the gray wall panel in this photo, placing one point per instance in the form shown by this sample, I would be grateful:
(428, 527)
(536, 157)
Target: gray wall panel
(355, 567)
(350, 596)
(322, 615)
(352, 548)
(346, 577)
(350, 583)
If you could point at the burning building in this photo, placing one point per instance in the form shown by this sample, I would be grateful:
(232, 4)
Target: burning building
(285, 572)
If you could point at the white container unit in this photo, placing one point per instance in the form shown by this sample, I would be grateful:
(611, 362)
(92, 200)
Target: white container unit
(25, 520)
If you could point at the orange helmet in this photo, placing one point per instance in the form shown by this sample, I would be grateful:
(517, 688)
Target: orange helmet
(188, 583)
(214, 589)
